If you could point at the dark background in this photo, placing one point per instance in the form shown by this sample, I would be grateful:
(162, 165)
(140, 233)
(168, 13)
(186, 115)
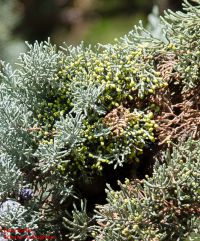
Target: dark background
(70, 21)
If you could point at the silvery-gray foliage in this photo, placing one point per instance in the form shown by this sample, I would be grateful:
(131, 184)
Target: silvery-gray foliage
(13, 214)
(11, 177)
(53, 130)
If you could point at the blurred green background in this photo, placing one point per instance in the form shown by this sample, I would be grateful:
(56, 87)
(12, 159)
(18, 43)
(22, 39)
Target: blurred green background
(70, 21)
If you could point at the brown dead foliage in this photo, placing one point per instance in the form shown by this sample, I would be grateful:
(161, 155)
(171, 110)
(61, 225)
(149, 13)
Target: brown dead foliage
(179, 116)
(165, 65)
(180, 120)
(118, 119)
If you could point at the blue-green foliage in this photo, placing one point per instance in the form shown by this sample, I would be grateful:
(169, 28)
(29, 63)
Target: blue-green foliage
(67, 113)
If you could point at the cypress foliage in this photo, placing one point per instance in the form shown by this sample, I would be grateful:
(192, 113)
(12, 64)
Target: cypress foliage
(69, 114)
(162, 207)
